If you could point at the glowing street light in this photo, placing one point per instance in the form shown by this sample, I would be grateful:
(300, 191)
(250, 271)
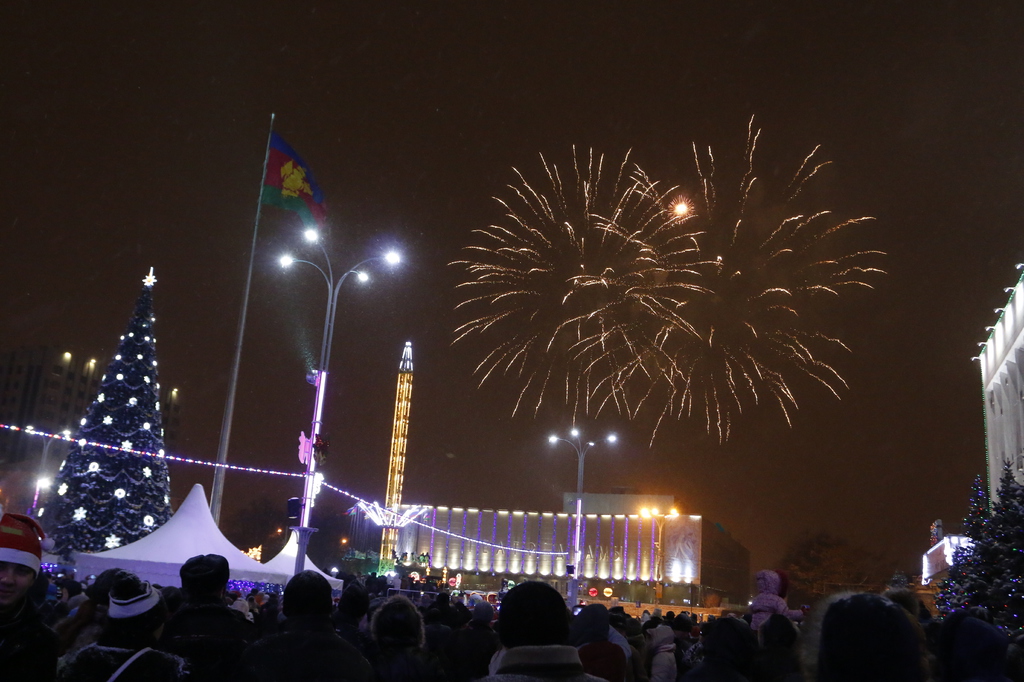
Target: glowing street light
(319, 377)
(658, 572)
(581, 448)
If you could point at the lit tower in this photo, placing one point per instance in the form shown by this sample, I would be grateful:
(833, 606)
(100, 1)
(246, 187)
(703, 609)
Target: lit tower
(396, 468)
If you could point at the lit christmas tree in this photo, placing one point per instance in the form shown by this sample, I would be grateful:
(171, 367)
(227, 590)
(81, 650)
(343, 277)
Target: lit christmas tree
(968, 581)
(109, 497)
(1000, 552)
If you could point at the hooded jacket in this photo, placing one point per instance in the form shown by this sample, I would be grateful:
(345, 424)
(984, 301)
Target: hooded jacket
(768, 601)
(663, 661)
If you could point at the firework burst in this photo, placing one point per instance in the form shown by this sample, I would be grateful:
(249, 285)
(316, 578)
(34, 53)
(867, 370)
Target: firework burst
(603, 290)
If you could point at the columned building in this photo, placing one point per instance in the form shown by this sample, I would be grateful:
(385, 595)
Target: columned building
(1002, 376)
(685, 554)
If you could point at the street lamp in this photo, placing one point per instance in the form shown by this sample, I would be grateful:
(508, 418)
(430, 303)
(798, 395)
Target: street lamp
(658, 570)
(581, 448)
(43, 480)
(319, 378)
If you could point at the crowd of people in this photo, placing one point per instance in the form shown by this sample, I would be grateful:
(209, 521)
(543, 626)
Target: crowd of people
(122, 628)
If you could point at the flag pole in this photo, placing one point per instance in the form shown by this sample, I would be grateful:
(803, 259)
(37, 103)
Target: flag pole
(217, 494)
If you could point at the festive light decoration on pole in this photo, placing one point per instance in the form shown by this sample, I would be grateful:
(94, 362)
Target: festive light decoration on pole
(396, 462)
(390, 517)
(104, 496)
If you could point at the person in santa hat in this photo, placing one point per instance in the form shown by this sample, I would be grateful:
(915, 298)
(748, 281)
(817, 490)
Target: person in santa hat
(28, 649)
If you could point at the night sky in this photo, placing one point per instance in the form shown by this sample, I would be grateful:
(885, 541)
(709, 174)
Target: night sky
(134, 138)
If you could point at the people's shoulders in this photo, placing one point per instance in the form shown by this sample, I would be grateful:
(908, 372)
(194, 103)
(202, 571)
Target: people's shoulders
(100, 662)
(275, 647)
(214, 616)
(520, 677)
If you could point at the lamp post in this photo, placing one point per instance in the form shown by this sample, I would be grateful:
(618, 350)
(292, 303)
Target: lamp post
(43, 477)
(658, 570)
(581, 448)
(319, 377)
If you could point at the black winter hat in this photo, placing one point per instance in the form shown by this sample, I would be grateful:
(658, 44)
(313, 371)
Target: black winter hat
(204, 574)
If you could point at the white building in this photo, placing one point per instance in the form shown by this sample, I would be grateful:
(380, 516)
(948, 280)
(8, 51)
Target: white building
(1003, 380)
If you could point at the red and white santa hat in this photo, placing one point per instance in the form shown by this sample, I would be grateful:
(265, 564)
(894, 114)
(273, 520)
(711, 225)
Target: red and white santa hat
(22, 541)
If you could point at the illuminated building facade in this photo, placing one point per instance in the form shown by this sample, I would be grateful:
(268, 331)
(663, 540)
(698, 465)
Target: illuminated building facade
(47, 389)
(1002, 376)
(396, 466)
(616, 548)
(51, 389)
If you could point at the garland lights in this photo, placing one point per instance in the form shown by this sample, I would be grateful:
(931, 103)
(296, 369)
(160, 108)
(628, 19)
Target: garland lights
(364, 504)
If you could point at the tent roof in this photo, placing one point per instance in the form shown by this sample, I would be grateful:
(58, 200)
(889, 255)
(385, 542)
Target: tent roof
(284, 562)
(189, 532)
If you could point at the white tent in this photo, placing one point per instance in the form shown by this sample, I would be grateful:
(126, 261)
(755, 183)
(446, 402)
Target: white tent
(190, 531)
(284, 562)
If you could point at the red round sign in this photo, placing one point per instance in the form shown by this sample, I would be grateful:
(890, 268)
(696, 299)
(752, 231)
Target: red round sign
(592, 591)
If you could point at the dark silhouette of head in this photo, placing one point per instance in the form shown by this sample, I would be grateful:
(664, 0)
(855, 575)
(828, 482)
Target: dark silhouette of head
(204, 576)
(533, 614)
(307, 594)
(397, 624)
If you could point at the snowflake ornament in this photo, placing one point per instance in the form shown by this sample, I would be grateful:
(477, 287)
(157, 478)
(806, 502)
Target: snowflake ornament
(100, 398)
(79, 514)
(133, 401)
(119, 493)
(146, 379)
(108, 420)
(62, 489)
(126, 444)
(147, 472)
(113, 541)
(148, 520)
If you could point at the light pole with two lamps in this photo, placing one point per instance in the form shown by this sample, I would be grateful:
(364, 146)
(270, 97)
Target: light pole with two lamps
(658, 570)
(319, 377)
(581, 448)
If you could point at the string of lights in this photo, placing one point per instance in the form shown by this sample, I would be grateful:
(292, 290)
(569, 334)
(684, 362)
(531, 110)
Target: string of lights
(161, 454)
(257, 470)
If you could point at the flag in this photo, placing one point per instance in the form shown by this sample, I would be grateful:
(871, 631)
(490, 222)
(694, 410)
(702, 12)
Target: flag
(290, 184)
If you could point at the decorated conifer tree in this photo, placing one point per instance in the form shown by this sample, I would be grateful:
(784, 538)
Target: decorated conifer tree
(968, 581)
(1000, 552)
(109, 491)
